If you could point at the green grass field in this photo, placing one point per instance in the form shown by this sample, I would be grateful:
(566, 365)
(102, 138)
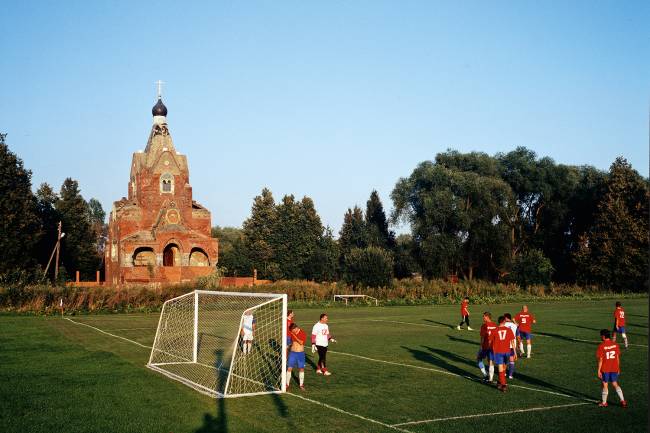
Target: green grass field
(395, 369)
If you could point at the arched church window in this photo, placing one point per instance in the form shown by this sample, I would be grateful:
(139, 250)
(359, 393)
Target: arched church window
(167, 183)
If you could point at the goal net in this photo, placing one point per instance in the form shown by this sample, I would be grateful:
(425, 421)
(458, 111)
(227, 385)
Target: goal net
(223, 344)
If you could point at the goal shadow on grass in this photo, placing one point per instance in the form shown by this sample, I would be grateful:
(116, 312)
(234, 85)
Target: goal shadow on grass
(219, 422)
(440, 358)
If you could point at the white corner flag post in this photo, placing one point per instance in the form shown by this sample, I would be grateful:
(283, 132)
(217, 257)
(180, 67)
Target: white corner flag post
(61, 306)
(196, 326)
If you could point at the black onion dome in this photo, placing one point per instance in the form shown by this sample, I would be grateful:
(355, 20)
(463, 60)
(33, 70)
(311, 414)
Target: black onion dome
(159, 109)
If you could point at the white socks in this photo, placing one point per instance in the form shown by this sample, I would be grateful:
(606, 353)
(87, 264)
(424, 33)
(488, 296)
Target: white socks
(604, 394)
(521, 347)
(619, 391)
(528, 348)
(301, 376)
(491, 370)
(247, 348)
(625, 340)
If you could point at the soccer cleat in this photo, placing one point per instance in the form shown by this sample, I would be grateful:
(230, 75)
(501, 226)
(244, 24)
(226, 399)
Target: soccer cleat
(469, 329)
(458, 327)
(302, 387)
(509, 377)
(327, 373)
(319, 372)
(601, 404)
(623, 403)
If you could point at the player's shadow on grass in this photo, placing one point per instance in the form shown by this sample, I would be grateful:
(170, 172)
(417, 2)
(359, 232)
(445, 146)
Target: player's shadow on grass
(596, 333)
(440, 323)
(565, 338)
(435, 360)
(519, 377)
(462, 340)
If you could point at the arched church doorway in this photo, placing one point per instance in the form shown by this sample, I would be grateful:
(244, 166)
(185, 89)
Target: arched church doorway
(171, 255)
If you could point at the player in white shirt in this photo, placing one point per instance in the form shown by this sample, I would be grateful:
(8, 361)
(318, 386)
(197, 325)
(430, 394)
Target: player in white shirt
(320, 338)
(247, 330)
(513, 352)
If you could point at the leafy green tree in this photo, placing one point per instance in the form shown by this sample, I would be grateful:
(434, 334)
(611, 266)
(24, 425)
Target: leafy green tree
(20, 225)
(404, 255)
(296, 236)
(79, 246)
(377, 232)
(232, 252)
(258, 230)
(614, 252)
(353, 232)
(531, 268)
(323, 265)
(97, 217)
(46, 200)
(369, 267)
(459, 219)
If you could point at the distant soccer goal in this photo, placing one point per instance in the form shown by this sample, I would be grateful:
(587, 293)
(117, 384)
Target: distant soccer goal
(347, 298)
(223, 344)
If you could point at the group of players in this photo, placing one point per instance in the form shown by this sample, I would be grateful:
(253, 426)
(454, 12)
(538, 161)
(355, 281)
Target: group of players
(296, 338)
(502, 343)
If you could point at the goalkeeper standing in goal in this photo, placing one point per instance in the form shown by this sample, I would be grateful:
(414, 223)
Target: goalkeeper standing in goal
(320, 338)
(247, 330)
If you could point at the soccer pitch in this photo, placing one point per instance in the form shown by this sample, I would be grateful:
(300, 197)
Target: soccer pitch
(394, 369)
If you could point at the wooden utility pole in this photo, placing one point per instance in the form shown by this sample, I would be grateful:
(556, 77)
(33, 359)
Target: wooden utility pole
(55, 250)
(58, 248)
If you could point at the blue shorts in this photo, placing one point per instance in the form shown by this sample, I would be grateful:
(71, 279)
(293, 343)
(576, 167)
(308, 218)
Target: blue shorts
(619, 330)
(485, 353)
(526, 335)
(501, 358)
(288, 340)
(296, 359)
(517, 333)
(610, 377)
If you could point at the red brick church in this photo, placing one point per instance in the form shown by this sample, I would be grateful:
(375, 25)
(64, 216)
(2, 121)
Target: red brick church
(159, 234)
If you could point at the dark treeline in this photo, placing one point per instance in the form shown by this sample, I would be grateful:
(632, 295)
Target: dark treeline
(511, 217)
(29, 228)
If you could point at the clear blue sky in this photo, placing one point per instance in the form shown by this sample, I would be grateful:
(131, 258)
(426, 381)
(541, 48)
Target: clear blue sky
(326, 99)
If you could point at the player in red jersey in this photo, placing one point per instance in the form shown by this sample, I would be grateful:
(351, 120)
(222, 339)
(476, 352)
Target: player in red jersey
(524, 320)
(501, 340)
(289, 322)
(609, 368)
(485, 351)
(464, 313)
(619, 323)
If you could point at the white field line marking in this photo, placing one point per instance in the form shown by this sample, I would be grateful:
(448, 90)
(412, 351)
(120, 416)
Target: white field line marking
(108, 333)
(472, 378)
(295, 395)
(131, 329)
(480, 415)
(374, 421)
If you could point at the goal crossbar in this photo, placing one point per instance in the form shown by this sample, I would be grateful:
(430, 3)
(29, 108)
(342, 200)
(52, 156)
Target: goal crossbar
(346, 297)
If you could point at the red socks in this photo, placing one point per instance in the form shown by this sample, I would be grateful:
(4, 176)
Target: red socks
(502, 377)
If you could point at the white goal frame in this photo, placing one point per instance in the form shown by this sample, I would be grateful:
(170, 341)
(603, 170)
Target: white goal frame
(265, 298)
(346, 298)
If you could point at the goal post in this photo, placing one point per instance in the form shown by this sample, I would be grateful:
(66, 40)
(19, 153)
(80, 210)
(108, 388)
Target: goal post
(366, 298)
(223, 344)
